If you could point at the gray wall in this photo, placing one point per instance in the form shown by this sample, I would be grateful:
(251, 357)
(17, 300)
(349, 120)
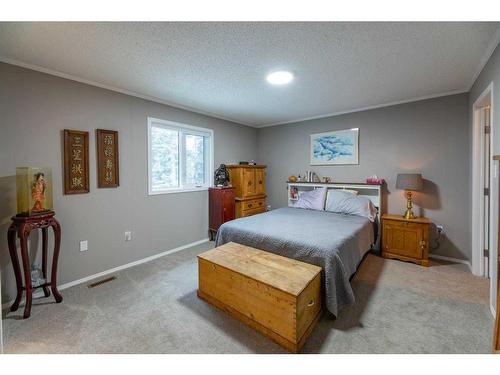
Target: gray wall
(429, 136)
(35, 107)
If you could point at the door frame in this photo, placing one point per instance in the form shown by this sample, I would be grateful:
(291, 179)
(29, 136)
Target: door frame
(477, 194)
(1, 331)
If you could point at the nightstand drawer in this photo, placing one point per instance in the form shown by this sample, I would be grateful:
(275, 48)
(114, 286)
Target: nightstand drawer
(403, 225)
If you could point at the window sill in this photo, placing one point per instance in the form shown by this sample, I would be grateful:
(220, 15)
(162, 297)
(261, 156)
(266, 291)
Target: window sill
(176, 191)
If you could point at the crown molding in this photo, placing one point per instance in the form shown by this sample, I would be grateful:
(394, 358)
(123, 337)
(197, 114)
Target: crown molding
(72, 77)
(484, 60)
(390, 104)
(495, 40)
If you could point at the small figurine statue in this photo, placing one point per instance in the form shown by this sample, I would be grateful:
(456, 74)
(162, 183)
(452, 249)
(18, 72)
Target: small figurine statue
(38, 192)
(221, 176)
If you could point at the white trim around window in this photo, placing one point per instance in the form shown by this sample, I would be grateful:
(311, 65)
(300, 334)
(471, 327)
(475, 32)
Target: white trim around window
(182, 130)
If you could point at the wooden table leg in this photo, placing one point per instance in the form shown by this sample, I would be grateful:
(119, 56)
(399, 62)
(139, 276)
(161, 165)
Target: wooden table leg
(11, 235)
(57, 247)
(46, 290)
(23, 238)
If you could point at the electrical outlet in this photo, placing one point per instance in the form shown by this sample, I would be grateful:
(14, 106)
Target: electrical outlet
(128, 236)
(84, 245)
(440, 228)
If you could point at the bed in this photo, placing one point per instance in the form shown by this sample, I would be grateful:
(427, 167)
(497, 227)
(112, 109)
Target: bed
(335, 242)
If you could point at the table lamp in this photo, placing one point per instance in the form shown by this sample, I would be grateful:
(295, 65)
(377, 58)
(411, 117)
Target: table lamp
(409, 182)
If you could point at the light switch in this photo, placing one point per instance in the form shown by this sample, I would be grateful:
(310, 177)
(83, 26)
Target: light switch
(84, 245)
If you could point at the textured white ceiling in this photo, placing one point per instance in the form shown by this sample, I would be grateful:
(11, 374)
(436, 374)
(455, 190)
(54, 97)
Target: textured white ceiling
(220, 68)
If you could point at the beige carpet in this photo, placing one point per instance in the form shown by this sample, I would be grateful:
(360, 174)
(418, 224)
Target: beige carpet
(153, 308)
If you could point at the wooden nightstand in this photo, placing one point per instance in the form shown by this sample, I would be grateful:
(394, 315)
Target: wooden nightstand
(406, 239)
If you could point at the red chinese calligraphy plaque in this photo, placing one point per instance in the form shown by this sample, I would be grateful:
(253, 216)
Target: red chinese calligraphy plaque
(76, 162)
(107, 159)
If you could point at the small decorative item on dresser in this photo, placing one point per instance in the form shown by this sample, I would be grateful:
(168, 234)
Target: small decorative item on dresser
(292, 178)
(221, 176)
(406, 239)
(108, 175)
(409, 182)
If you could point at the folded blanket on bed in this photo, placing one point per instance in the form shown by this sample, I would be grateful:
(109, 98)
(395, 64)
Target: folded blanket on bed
(335, 242)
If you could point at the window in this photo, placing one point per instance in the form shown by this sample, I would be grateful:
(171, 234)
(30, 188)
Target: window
(180, 157)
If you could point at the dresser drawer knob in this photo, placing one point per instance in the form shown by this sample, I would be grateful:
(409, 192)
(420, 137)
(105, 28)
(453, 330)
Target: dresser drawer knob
(311, 303)
(250, 205)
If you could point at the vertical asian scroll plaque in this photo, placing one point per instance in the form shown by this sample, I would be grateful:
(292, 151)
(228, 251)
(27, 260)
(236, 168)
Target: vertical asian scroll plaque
(108, 175)
(76, 162)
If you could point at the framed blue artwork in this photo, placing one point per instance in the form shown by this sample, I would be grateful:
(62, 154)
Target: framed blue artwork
(338, 147)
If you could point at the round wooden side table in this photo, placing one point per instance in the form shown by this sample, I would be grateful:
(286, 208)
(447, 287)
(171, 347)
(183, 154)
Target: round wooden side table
(22, 226)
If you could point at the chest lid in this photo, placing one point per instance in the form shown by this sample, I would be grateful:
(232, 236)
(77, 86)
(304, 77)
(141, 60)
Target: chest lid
(288, 275)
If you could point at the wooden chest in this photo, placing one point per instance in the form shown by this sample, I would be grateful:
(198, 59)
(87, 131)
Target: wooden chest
(406, 239)
(277, 296)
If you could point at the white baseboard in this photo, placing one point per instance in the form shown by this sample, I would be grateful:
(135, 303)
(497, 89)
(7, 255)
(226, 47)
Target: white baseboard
(454, 260)
(115, 269)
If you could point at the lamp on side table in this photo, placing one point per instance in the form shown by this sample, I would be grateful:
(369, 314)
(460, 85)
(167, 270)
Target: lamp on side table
(409, 182)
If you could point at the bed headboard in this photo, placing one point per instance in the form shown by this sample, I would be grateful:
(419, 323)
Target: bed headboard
(372, 192)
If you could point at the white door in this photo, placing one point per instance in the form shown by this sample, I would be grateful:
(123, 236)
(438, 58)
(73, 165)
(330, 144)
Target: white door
(489, 206)
(485, 124)
(1, 333)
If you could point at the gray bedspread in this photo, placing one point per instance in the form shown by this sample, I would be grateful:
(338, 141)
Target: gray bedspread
(335, 242)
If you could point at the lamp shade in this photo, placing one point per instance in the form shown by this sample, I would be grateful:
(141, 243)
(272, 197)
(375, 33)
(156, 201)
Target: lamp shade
(409, 181)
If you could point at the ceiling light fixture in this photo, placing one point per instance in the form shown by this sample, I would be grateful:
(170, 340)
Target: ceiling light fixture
(281, 77)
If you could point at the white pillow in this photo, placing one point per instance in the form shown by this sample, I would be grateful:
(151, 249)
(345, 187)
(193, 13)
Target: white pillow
(312, 200)
(347, 203)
